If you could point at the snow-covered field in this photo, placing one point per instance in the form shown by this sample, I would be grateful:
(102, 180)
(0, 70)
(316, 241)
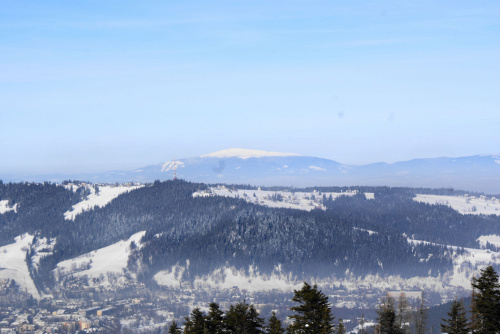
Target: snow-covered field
(4, 206)
(98, 263)
(464, 204)
(279, 199)
(13, 264)
(105, 195)
(491, 239)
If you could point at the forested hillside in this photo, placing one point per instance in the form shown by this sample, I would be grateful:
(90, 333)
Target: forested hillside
(394, 211)
(38, 207)
(355, 234)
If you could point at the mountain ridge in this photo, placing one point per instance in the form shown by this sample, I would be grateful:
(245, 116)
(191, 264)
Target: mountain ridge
(243, 166)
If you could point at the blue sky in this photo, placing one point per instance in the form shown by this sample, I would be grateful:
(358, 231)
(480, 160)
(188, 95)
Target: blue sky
(97, 85)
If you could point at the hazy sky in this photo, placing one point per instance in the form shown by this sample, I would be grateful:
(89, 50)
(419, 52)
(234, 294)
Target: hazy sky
(96, 85)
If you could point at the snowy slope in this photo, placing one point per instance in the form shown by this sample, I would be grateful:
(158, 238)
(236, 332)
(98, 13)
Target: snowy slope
(170, 165)
(97, 264)
(105, 195)
(464, 204)
(13, 264)
(468, 265)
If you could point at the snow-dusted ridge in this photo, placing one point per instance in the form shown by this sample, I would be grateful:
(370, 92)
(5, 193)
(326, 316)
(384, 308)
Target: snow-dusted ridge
(245, 154)
(279, 199)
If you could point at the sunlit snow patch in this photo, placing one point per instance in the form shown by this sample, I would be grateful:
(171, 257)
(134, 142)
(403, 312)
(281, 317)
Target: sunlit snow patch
(171, 278)
(4, 207)
(205, 193)
(105, 195)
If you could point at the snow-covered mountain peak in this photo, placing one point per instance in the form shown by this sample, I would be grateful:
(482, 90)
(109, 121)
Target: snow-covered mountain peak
(245, 154)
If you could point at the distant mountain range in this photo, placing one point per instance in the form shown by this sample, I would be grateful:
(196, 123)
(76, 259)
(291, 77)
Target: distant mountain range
(242, 166)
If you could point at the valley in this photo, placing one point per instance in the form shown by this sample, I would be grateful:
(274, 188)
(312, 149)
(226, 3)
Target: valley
(173, 246)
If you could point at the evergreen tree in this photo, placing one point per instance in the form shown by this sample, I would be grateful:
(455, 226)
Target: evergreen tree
(243, 319)
(174, 329)
(341, 327)
(313, 312)
(487, 301)
(274, 325)
(195, 323)
(457, 321)
(215, 319)
(475, 324)
(387, 317)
